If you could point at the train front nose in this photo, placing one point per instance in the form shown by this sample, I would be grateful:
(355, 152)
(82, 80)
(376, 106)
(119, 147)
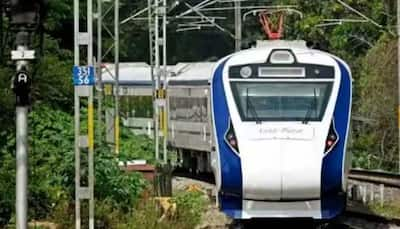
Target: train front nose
(280, 170)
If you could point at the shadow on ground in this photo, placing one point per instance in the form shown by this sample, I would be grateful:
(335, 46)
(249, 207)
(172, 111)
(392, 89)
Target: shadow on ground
(287, 223)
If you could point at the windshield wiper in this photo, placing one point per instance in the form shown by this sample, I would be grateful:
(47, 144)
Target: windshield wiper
(250, 105)
(312, 107)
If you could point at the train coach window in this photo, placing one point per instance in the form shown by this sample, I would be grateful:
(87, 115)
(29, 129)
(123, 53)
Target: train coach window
(281, 101)
(188, 109)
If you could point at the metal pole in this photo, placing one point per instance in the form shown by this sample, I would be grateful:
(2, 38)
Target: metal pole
(238, 26)
(157, 70)
(398, 69)
(22, 167)
(165, 130)
(99, 73)
(21, 81)
(84, 91)
(76, 32)
(91, 160)
(90, 31)
(90, 116)
(77, 162)
(77, 120)
(151, 55)
(116, 63)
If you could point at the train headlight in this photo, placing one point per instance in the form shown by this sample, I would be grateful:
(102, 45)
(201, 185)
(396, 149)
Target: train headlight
(332, 139)
(231, 140)
(246, 72)
(282, 57)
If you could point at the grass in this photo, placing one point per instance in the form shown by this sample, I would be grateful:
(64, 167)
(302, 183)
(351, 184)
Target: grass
(390, 210)
(189, 208)
(145, 214)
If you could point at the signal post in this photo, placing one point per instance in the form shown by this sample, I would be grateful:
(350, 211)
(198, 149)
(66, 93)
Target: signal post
(25, 18)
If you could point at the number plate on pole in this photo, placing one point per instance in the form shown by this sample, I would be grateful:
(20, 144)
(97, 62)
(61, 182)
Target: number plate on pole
(83, 75)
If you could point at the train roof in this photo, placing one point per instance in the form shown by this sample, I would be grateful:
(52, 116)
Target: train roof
(300, 44)
(130, 74)
(139, 73)
(192, 71)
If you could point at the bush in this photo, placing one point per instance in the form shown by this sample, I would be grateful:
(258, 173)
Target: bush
(376, 142)
(51, 175)
(189, 208)
(145, 214)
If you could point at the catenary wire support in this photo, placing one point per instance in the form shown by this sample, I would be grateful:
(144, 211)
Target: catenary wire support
(368, 19)
(164, 126)
(116, 67)
(84, 80)
(238, 26)
(152, 56)
(157, 41)
(112, 31)
(100, 86)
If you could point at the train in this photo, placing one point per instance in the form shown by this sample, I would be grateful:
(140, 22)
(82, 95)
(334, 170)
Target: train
(271, 123)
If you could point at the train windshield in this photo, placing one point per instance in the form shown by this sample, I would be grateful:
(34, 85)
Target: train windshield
(281, 101)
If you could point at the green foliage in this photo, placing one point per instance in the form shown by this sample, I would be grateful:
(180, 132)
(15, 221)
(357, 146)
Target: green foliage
(52, 168)
(7, 181)
(138, 106)
(6, 98)
(106, 215)
(369, 50)
(138, 147)
(145, 214)
(376, 140)
(388, 209)
(53, 85)
(59, 12)
(190, 206)
(120, 188)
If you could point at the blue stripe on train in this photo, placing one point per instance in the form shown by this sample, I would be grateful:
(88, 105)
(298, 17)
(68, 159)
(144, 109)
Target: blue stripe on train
(333, 200)
(231, 169)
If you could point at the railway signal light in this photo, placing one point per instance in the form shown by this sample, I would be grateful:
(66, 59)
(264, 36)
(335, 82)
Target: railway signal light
(21, 85)
(26, 13)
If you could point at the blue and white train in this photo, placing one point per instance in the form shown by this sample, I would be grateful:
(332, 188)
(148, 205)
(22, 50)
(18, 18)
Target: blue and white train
(271, 123)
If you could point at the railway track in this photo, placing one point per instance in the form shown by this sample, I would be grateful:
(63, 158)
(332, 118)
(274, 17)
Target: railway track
(369, 176)
(351, 219)
(375, 177)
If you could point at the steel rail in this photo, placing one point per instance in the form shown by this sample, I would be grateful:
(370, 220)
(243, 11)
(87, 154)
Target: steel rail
(369, 216)
(371, 176)
(376, 177)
